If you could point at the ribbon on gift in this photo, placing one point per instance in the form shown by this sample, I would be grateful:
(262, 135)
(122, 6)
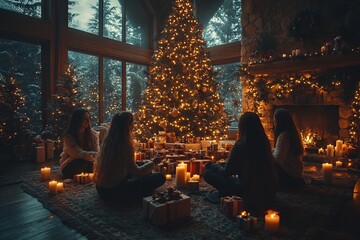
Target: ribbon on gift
(231, 206)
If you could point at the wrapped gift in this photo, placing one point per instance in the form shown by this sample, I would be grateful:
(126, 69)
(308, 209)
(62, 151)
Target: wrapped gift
(49, 149)
(192, 185)
(166, 207)
(231, 206)
(246, 222)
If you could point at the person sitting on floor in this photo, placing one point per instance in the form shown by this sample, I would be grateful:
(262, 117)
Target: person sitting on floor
(117, 176)
(288, 150)
(81, 145)
(251, 160)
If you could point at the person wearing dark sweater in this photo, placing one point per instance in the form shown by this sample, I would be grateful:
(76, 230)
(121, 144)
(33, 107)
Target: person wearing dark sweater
(117, 176)
(249, 171)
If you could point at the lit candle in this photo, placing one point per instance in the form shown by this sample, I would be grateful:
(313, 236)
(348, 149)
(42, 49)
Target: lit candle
(338, 163)
(45, 173)
(181, 175)
(196, 177)
(330, 150)
(321, 151)
(327, 172)
(168, 177)
(272, 221)
(284, 55)
(60, 187)
(91, 176)
(188, 176)
(52, 187)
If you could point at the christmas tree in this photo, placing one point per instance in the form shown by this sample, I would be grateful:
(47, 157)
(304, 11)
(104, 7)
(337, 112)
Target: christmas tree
(64, 101)
(355, 119)
(13, 123)
(182, 95)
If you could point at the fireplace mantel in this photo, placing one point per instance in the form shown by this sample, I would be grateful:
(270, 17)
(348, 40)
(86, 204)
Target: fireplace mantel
(305, 64)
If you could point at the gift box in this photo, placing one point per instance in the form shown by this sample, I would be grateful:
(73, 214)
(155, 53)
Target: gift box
(246, 222)
(165, 167)
(231, 206)
(160, 212)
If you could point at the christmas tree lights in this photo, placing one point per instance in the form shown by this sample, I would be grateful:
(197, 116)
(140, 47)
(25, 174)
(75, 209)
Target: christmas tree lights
(13, 123)
(64, 101)
(355, 119)
(182, 93)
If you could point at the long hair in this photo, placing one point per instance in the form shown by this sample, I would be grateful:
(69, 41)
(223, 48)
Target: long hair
(74, 125)
(285, 123)
(252, 135)
(259, 173)
(119, 136)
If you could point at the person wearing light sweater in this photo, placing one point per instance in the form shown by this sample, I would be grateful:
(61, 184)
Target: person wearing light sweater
(80, 147)
(117, 176)
(288, 150)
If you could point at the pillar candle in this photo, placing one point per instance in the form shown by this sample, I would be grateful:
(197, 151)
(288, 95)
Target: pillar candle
(338, 163)
(196, 177)
(53, 187)
(188, 176)
(91, 176)
(181, 175)
(60, 187)
(40, 154)
(45, 173)
(327, 172)
(330, 150)
(272, 221)
(339, 144)
(168, 177)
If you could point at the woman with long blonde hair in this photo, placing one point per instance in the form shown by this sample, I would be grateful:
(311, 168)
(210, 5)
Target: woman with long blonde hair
(117, 176)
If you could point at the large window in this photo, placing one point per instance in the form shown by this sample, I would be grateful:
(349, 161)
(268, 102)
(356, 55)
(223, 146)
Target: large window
(136, 81)
(230, 89)
(224, 27)
(84, 15)
(22, 61)
(112, 88)
(30, 7)
(113, 19)
(87, 68)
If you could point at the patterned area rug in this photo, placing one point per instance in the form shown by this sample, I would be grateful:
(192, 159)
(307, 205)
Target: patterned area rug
(302, 212)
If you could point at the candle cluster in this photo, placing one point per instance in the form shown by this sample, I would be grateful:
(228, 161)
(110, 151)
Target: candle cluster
(84, 177)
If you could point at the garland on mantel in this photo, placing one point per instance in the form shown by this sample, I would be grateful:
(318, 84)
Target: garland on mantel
(263, 89)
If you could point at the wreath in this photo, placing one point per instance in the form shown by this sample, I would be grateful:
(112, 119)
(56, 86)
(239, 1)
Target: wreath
(304, 26)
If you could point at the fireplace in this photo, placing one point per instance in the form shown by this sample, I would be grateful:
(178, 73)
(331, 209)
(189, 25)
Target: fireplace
(318, 124)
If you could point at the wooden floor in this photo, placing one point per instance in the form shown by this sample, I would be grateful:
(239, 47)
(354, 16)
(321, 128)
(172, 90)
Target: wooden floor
(23, 216)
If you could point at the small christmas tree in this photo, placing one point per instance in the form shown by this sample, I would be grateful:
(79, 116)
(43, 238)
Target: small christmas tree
(13, 123)
(355, 119)
(182, 93)
(64, 101)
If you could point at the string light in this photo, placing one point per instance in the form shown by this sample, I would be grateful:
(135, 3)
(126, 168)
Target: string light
(181, 95)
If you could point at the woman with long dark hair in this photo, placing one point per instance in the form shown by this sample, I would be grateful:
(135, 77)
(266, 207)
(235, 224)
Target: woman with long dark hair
(117, 176)
(81, 145)
(288, 150)
(251, 161)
